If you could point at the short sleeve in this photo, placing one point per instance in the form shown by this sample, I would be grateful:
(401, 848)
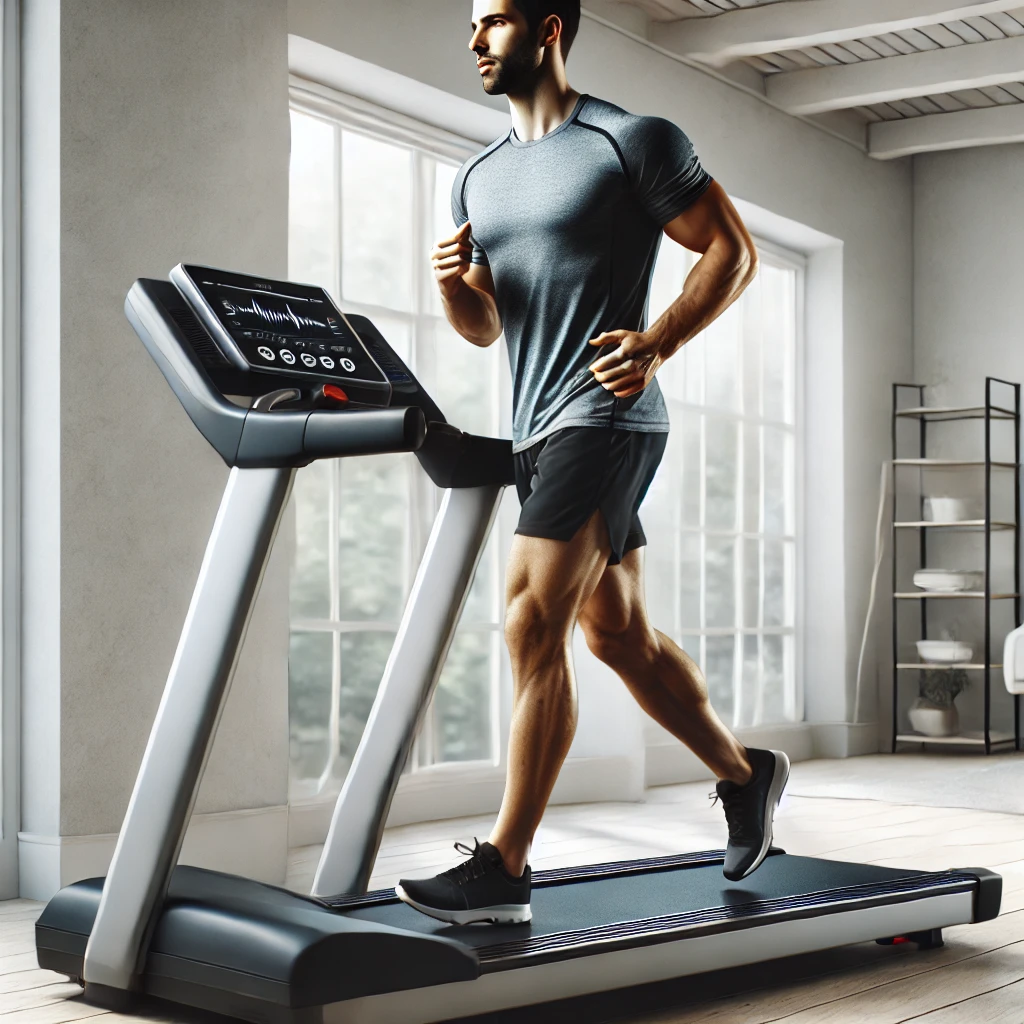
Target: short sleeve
(460, 216)
(664, 170)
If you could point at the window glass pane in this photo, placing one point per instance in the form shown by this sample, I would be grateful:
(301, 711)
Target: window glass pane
(751, 478)
(310, 579)
(659, 512)
(722, 354)
(774, 677)
(689, 581)
(751, 582)
(720, 602)
(372, 527)
(442, 226)
(749, 679)
(775, 597)
(720, 473)
(376, 191)
(778, 471)
(363, 657)
(719, 673)
(693, 355)
(693, 472)
(752, 341)
(309, 703)
(312, 203)
(778, 289)
(460, 377)
(462, 703)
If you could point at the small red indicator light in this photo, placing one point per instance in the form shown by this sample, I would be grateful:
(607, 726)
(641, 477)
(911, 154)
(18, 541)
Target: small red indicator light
(899, 939)
(333, 392)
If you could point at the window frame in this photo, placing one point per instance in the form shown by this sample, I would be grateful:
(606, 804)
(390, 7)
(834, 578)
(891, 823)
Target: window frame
(785, 258)
(346, 112)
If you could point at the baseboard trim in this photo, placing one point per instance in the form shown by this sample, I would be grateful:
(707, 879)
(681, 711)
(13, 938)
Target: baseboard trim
(669, 762)
(251, 842)
(458, 791)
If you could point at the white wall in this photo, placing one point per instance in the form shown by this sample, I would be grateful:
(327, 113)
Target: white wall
(969, 324)
(155, 134)
(778, 164)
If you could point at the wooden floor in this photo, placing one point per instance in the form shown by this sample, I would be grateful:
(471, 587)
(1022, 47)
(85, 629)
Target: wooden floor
(977, 978)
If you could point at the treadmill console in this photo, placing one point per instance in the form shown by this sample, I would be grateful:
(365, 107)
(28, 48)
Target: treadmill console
(277, 327)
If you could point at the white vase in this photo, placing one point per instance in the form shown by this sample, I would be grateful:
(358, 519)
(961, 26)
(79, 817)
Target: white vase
(934, 721)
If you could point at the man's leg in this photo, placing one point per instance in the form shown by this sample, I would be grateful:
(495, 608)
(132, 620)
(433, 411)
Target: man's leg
(665, 681)
(548, 583)
(670, 688)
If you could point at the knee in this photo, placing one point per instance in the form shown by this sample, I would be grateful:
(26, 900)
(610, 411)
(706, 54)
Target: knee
(620, 643)
(532, 630)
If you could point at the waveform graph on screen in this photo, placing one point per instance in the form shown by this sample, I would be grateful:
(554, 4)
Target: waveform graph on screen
(275, 317)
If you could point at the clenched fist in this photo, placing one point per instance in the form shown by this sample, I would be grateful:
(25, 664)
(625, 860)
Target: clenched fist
(451, 260)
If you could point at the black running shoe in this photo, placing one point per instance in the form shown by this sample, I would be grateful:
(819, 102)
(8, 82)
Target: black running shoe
(749, 810)
(477, 890)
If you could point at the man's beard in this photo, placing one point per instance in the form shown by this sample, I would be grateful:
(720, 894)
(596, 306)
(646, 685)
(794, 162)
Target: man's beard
(515, 73)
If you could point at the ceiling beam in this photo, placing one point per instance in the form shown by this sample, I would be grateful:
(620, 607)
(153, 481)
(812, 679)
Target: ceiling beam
(991, 126)
(972, 66)
(795, 24)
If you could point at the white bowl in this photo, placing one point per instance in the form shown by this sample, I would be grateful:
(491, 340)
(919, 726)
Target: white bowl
(948, 581)
(944, 652)
(945, 510)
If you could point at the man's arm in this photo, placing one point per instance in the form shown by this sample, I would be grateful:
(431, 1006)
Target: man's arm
(467, 289)
(712, 227)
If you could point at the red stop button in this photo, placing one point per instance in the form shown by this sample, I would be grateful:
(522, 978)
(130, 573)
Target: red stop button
(334, 393)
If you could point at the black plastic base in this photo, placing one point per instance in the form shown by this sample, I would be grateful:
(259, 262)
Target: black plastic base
(115, 999)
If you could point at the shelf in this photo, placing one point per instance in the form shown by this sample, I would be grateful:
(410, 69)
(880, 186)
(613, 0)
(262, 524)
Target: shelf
(935, 596)
(951, 463)
(942, 414)
(996, 737)
(920, 666)
(954, 524)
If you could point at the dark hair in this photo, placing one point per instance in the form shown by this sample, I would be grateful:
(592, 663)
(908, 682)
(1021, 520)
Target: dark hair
(568, 11)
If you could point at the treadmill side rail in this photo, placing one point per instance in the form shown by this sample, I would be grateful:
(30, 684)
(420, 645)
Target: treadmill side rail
(989, 896)
(428, 624)
(182, 735)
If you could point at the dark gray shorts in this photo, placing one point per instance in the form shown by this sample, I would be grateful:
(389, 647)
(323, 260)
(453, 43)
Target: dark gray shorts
(565, 477)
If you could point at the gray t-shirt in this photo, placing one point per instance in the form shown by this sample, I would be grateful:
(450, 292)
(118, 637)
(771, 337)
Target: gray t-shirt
(570, 225)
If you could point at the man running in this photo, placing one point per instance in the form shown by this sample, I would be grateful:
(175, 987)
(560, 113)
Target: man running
(559, 227)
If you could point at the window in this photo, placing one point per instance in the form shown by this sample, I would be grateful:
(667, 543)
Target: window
(368, 199)
(722, 513)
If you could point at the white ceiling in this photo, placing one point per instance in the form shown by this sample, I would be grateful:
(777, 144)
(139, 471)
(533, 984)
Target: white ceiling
(906, 76)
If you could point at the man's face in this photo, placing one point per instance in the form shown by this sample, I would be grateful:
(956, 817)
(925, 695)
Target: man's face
(507, 53)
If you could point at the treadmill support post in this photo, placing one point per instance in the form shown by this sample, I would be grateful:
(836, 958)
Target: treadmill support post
(431, 614)
(182, 735)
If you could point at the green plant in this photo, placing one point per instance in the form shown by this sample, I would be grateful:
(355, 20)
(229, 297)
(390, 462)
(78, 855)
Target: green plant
(940, 688)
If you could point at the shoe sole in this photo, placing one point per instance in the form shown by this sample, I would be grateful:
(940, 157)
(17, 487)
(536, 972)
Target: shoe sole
(508, 913)
(779, 780)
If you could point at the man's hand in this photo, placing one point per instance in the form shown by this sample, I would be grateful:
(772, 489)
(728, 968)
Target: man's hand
(451, 260)
(630, 365)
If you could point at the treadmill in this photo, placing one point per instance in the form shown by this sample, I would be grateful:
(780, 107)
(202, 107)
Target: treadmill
(307, 382)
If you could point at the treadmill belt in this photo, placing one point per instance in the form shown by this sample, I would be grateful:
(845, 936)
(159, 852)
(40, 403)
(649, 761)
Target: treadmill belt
(614, 911)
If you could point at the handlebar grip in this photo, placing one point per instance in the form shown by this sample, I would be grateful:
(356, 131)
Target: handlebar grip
(371, 432)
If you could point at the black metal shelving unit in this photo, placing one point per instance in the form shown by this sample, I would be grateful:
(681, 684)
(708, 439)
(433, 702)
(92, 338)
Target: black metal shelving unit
(991, 413)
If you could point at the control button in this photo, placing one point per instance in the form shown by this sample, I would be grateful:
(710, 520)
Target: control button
(287, 357)
(347, 364)
(266, 353)
(308, 360)
(327, 362)
(335, 393)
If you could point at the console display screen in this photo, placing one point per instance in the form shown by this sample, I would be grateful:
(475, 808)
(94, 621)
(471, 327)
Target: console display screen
(286, 327)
